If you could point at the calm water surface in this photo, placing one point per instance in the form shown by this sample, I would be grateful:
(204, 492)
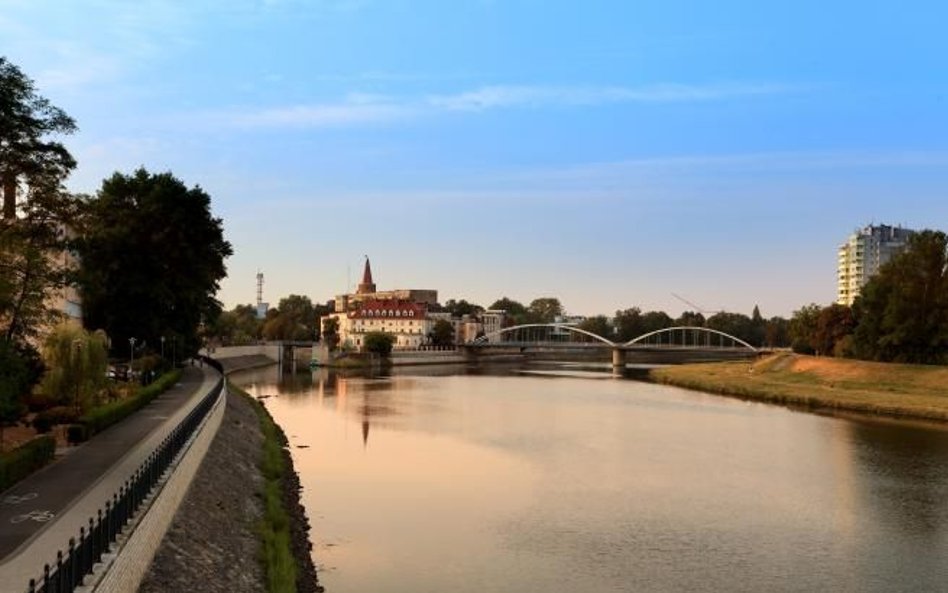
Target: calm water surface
(530, 482)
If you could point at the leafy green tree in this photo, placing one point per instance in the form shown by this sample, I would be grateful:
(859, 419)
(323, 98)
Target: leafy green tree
(76, 363)
(690, 319)
(462, 307)
(544, 310)
(14, 384)
(442, 333)
(802, 329)
(598, 325)
(29, 158)
(902, 313)
(516, 311)
(294, 319)
(378, 343)
(628, 324)
(833, 324)
(33, 165)
(152, 259)
(734, 324)
(655, 320)
(758, 328)
(330, 333)
(777, 332)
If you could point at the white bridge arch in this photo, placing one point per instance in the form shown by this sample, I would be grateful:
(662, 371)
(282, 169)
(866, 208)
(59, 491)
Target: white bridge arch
(651, 339)
(684, 330)
(492, 337)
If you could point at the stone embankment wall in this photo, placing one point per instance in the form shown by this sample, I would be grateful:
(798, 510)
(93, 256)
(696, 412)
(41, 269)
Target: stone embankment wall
(126, 569)
(213, 544)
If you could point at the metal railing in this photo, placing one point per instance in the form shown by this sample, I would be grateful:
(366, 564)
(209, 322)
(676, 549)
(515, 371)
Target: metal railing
(82, 553)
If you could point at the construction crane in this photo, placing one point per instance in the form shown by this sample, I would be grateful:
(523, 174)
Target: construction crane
(701, 310)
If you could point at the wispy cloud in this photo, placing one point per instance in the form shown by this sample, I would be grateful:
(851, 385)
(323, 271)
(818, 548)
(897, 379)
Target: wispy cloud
(362, 108)
(493, 97)
(355, 109)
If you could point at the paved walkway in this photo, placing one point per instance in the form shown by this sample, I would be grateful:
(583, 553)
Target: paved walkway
(39, 514)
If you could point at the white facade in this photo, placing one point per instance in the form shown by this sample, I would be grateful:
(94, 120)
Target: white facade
(407, 322)
(861, 256)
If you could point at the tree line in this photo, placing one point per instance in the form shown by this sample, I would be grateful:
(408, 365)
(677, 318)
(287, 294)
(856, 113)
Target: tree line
(144, 253)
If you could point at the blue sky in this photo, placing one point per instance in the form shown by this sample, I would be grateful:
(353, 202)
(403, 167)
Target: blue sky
(608, 153)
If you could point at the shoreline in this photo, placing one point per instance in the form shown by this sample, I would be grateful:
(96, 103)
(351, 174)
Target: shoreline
(822, 385)
(216, 539)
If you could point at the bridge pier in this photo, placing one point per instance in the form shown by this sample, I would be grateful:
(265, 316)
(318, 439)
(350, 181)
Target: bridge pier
(618, 359)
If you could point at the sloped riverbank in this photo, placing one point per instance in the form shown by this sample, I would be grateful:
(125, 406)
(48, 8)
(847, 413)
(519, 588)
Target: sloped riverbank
(215, 540)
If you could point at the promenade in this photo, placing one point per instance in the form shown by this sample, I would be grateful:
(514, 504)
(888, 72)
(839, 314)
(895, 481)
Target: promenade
(39, 514)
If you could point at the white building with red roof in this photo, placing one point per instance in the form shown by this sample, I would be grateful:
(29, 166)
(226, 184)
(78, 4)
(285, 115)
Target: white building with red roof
(400, 313)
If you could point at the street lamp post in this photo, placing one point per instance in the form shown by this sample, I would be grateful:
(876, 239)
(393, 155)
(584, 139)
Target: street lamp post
(131, 360)
(162, 349)
(174, 351)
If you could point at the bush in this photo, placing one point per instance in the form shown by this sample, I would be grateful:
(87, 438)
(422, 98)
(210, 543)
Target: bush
(45, 420)
(102, 417)
(42, 423)
(26, 459)
(77, 433)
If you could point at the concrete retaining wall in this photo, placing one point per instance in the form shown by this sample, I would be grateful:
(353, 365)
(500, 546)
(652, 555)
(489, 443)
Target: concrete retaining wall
(271, 351)
(124, 570)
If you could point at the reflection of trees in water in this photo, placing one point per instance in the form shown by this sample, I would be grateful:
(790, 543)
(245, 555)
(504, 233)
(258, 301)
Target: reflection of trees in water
(906, 472)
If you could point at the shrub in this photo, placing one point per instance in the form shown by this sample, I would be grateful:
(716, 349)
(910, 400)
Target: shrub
(26, 459)
(42, 423)
(77, 433)
(102, 417)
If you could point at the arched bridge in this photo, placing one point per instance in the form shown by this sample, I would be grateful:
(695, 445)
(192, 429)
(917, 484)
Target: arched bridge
(672, 343)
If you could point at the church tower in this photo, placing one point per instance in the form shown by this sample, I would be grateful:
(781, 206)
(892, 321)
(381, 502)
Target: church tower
(366, 286)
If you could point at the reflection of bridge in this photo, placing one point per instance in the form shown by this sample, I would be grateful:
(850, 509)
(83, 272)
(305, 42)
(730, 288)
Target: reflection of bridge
(672, 343)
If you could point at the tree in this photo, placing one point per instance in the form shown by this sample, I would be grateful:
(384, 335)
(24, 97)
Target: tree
(516, 312)
(76, 362)
(442, 333)
(734, 324)
(802, 329)
(378, 343)
(902, 312)
(330, 332)
(628, 324)
(461, 308)
(32, 165)
(28, 157)
(758, 328)
(655, 320)
(152, 257)
(294, 319)
(598, 325)
(14, 384)
(833, 324)
(544, 310)
(777, 333)
(690, 319)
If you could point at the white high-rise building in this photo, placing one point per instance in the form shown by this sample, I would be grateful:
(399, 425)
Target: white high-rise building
(861, 256)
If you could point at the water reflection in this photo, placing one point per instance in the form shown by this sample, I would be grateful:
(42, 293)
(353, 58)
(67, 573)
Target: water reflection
(440, 479)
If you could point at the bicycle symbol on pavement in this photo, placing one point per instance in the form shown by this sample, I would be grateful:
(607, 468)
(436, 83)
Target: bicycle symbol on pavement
(17, 499)
(38, 516)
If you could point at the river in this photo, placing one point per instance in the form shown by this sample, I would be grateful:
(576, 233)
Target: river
(517, 481)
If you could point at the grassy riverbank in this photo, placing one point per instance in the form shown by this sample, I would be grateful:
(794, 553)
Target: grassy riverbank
(822, 384)
(284, 528)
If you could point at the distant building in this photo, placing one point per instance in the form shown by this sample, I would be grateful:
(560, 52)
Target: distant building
(409, 314)
(861, 256)
(366, 291)
(402, 313)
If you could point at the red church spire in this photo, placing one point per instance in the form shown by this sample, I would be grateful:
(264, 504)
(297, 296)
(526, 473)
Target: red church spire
(366, 286)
